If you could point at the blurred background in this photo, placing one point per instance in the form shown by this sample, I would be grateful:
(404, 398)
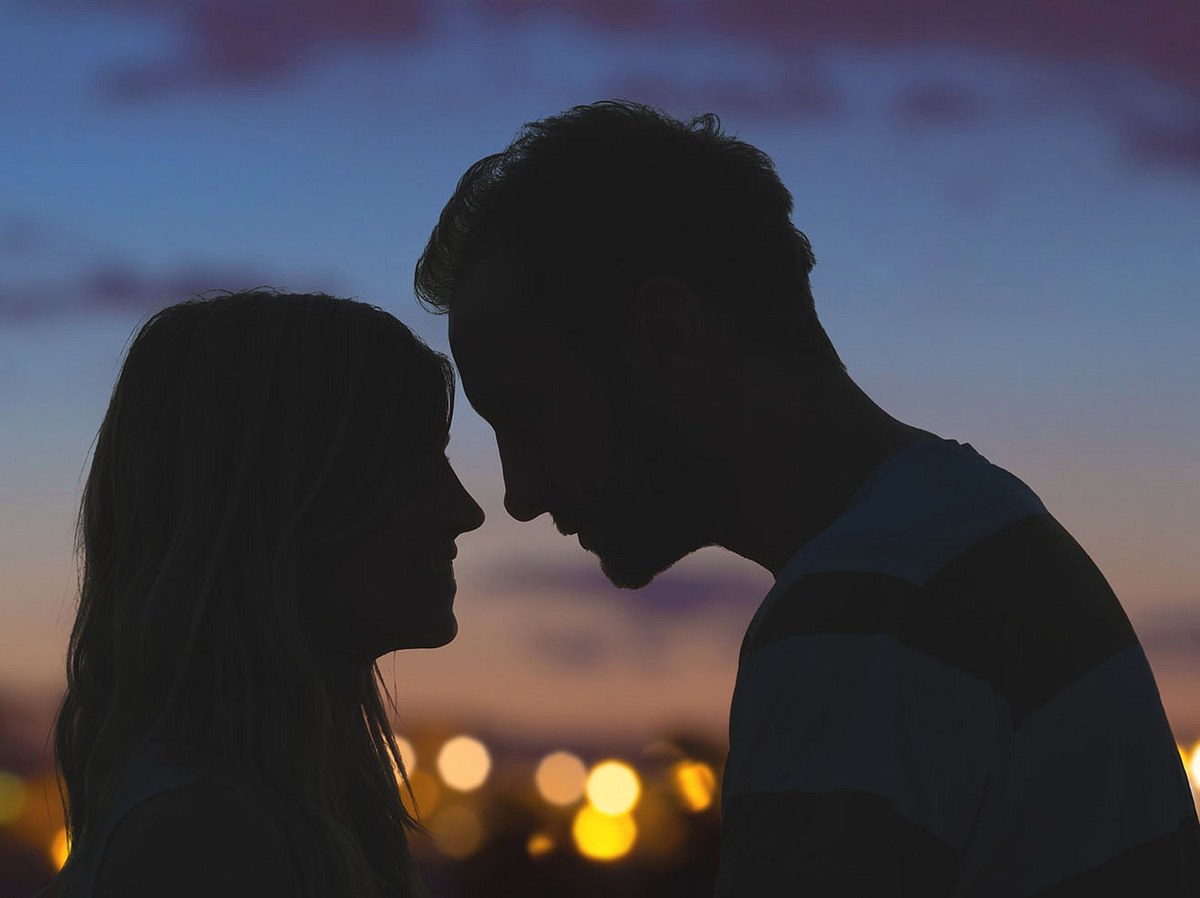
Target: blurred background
(1004, 200)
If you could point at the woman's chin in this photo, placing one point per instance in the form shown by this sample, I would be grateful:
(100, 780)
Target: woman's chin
(434, 636)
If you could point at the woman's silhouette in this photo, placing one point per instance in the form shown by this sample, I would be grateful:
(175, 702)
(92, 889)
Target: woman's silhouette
(269, 509)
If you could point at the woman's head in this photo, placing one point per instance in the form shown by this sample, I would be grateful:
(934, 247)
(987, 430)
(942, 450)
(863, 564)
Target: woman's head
(269, 470)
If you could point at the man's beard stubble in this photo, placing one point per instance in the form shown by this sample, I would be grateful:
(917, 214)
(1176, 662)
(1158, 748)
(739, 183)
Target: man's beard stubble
(656, 503)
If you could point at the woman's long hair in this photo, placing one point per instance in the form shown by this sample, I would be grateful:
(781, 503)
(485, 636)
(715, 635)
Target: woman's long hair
(246, 431)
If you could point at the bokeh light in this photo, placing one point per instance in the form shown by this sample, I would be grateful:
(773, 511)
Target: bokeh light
(603, 837)
(661, 831)
(464, 763)
(560, 778)
(539, 844)
(408, 754)
(695, 784)
(60, 847)
(457, 831)
(1193, 766)
(425, 790)
(13, 796)
(613, 787)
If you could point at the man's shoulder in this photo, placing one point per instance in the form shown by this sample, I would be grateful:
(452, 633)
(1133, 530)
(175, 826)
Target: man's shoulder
(211, 833)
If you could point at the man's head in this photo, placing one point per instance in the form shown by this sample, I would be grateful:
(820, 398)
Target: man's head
(600, 274)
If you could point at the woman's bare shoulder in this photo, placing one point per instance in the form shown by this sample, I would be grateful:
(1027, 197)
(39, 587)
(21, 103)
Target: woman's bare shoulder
(212, 836)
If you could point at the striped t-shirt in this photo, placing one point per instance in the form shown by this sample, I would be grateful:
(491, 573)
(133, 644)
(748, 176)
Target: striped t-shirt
(942, 696)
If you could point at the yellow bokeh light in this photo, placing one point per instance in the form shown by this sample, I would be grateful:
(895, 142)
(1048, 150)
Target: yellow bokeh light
(464, 763)
(407, 753)
(695, 783)
(613, 787)
(560, 778)
(425, 789)
(60, 847)
(1193, 767)
(603, 837)
(539, 844)
(457, 831)
(661, 831)
(13, 795)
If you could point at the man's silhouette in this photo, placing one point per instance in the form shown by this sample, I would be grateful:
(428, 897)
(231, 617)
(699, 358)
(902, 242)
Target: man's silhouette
(940, 695)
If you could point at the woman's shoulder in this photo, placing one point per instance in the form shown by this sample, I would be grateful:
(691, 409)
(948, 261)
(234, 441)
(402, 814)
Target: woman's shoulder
(212, 835)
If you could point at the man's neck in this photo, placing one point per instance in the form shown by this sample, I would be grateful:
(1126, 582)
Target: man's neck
(795, 480)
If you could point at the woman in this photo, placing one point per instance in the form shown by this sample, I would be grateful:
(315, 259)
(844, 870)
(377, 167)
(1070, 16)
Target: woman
(269, 509)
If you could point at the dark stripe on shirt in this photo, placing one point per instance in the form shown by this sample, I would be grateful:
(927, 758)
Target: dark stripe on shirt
(1025, 609)
(834, 843)
(1169, 865)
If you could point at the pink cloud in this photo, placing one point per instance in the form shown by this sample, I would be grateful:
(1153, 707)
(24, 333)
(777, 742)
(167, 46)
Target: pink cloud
(229, 43)
(935, 104)
(119, 286)
(671, 594)
(22, 236)
(801, 94)
(232, 42)
(1157, 144)
(1157, 37)
(1174, 634)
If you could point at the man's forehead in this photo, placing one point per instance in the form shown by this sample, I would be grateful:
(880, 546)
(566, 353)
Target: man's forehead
(483, 298)
(495, 342)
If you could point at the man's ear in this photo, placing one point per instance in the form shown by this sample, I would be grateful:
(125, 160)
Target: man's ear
(668, 331)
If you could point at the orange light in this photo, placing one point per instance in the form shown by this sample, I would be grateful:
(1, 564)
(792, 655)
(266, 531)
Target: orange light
(426, 791)
(60, 848)
(408, 754)
(539, 844)
(695, 783)
(457, 831)
(464, 763)
(603, 837)
(560, 778)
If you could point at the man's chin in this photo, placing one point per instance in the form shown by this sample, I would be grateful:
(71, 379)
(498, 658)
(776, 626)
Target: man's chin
(625, 572)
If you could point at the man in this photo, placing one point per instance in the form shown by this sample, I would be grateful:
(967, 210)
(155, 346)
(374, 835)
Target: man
(940, 695)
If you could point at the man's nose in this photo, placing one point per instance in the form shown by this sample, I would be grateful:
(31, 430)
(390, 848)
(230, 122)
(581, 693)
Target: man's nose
(524, 488)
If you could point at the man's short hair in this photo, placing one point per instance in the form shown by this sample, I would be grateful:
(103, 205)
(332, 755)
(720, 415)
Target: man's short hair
(587, 204)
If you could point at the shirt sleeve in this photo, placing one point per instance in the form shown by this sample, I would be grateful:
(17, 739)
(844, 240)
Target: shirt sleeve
(857, 767)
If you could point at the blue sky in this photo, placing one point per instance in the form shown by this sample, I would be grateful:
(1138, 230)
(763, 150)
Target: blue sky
(1002, 199)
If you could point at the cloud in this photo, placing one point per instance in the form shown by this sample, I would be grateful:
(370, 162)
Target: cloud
(935, 104)
(122, 287)
(672, 594)
(1171, 635)
(229, 43)
(804, 94)
(1157, 144)
(573, 648)
(22, 236)
(1157, 38)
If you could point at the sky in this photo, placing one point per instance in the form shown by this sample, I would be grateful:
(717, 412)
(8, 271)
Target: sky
(1003, 197)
